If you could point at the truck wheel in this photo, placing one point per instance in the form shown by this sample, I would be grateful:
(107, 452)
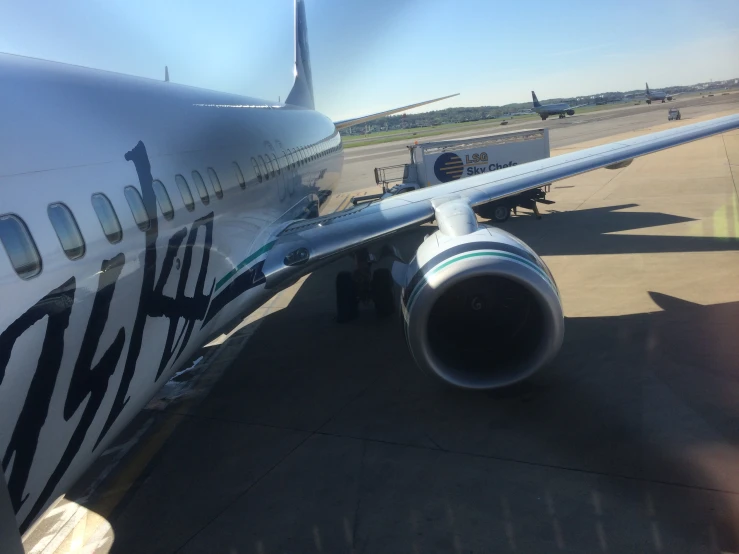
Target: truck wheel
(346, 297)
(500, 213)
(382, 292)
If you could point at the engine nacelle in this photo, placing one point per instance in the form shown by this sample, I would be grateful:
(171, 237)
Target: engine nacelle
(570, 112)
(481, 310)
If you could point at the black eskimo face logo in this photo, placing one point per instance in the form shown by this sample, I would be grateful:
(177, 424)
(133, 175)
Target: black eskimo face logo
(448, 167)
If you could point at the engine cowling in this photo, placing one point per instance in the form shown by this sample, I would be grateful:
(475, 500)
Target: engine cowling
(481, 310)
(570, 112)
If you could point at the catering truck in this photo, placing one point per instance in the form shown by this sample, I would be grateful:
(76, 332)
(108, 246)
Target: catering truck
(433, 163)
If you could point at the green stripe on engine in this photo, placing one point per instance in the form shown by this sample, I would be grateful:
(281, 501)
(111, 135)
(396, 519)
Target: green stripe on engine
(266, 248)
(477, 254)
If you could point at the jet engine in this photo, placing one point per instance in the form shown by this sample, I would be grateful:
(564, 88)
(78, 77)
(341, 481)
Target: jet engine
(481, 309)
(570, 112)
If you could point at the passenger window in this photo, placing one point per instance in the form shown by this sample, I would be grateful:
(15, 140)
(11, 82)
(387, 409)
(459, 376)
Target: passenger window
(215, 182)
(264, 167)
(257, 171)
(66, 230)
(200, 185)
(239, 175)
(107, 217)
(185, 192)
(19, 246)
(165, 204)
(133, 196)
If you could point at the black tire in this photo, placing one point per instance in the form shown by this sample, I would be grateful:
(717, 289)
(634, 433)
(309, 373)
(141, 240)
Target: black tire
(382, 292)
(346, 297)
(500, 213)
(649, 101)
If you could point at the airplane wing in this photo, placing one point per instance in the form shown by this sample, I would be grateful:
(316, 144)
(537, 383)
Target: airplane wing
(354, 121)
(578, 106)
(306, 244)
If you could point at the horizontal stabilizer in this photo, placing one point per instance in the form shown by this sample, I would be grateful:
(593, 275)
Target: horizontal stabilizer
(356, 120)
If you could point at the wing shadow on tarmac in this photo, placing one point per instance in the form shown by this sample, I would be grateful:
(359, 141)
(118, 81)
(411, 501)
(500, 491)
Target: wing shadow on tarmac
(325, 437)
(587, 232)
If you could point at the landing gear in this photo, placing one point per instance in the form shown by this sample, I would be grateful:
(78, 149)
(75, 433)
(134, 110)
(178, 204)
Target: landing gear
(544, 117)
(364, 285)
(382, 292)
(501, 213)
(561, 116)
(649, 101)
(347, 302)
(663, 101)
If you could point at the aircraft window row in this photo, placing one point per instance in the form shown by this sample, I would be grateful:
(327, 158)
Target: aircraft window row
(268, 165)
(23, 253)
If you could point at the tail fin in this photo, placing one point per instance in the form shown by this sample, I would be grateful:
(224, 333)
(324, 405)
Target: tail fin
(302, 91)
(536, 100)
(647, 84)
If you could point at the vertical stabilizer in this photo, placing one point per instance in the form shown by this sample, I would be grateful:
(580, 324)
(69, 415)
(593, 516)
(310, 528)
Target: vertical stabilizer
(302, 91)
(647, 84)
(536, 100)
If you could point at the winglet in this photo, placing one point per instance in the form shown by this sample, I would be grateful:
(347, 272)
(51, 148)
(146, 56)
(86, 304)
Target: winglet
(166, 74)
(536, 100)
(302, 91)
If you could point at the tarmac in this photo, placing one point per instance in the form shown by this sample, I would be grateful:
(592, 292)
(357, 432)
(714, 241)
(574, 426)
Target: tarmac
(297, 434)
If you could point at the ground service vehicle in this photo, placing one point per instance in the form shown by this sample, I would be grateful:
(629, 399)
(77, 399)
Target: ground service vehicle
(434, 163)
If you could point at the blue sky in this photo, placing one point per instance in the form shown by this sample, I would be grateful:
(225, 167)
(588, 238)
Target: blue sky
(371, 55)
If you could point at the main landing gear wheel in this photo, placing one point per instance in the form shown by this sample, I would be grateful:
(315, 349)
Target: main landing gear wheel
(500, 213)
(649, 101)
(561, 116)
(347, 301)
(382, 292)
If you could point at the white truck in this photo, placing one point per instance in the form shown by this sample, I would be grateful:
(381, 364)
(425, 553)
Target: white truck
(433, 163)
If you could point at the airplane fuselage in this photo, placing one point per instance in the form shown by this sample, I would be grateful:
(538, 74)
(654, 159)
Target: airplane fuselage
(547, 110)
(85, 340)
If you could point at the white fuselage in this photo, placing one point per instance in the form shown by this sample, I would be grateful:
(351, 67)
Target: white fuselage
(86, 342)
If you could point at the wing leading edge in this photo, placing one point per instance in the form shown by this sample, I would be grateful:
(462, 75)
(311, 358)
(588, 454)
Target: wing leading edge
(333, 235)
(343, 124)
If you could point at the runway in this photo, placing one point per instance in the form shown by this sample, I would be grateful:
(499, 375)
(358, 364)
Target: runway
(361, 161)
(309, 436)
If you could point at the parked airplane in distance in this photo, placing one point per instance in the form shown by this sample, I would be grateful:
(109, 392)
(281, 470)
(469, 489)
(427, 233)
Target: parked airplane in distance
(140, 219)
(658, 95)
(545, 110)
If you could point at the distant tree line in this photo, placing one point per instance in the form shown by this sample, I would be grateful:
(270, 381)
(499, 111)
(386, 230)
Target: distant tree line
(480, 113)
